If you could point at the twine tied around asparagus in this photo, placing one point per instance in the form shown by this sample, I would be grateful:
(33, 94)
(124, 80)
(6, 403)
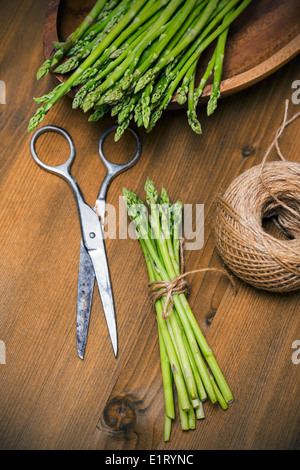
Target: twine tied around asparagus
(179, 284)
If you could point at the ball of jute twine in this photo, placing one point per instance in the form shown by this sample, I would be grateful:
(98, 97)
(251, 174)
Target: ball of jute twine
(267, 190)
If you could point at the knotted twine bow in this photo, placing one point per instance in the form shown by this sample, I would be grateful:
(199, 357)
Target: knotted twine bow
(179, 284)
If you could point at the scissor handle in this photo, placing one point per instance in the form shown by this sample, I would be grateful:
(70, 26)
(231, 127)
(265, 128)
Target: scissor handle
(62, 170)
(91, 229)
(113, 169)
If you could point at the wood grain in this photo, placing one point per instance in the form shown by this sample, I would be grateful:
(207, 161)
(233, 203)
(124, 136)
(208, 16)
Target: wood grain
(254, 48)
(49, 399)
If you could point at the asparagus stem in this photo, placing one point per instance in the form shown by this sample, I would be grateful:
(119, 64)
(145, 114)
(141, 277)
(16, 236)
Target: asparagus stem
(183, 417)
(200, 412)
(185, 312)
(185, 27)
(162, 84)
(202, 41)
(195, 337)
(191, 113)
(177, 336)
(139, 20)
(91, 85)
(144, 15)
(182, 69)
(204, 79)
(218, 67)
(146, 104)
(150, 75)
(185, 84)
(177, 221)
(178, 342)
(132, 41)
(184, 353)
(219, 396)
(175, 365)
(174, 24)
(41, 112)
(44, 98)
(110, 5)
(93, 97)
(71, 40)
(113, 51)
(192, 419)
(132, 59)
(167, 428)
(200, 387)
(200, 46)
(168, 273)
(181, 302)
(167, 227)
(93, 39)
(167, 378)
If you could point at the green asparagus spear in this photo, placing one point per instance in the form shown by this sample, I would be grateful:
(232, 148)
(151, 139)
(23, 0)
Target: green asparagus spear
(41, 112)
(112, 58)
(218, 67)
(72, 39)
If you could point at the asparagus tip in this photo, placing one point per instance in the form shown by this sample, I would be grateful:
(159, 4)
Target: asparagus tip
(194, 123)
(36, 119)
(182, 95)
(86, 106)
(151, 192)
(211, 106)
(213, 100)
(164, 197)
(67, 66)
(44, 69)
(57, 45)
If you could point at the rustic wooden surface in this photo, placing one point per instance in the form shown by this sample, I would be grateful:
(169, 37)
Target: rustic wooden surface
(254, 49)
(49, 399)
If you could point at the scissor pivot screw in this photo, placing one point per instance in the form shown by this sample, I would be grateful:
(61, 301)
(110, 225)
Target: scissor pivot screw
(92, 235)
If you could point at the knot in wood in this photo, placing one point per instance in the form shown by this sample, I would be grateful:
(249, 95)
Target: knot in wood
(120, 414)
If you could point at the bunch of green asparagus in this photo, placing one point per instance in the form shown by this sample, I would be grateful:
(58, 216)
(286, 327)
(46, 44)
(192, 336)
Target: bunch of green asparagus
(185, 355)
(130, 57)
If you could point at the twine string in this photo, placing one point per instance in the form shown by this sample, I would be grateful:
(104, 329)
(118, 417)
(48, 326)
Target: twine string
(275, 144)
(179, 284)
(279, 131)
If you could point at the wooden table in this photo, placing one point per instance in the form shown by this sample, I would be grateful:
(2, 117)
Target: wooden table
(49, 398)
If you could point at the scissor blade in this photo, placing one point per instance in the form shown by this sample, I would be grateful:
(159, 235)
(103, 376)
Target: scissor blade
(100, 264)
(86, 281)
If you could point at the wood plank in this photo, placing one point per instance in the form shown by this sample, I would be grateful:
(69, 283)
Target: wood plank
(49, 399)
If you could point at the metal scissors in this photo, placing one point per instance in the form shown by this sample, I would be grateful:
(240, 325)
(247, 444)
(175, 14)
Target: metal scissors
(93, 261)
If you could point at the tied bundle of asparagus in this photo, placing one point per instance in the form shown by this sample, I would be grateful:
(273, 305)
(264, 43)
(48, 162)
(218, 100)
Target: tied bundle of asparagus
(185, 355)
(130, 57)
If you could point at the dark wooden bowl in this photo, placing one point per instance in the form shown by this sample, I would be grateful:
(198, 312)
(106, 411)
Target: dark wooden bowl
(264, 38)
